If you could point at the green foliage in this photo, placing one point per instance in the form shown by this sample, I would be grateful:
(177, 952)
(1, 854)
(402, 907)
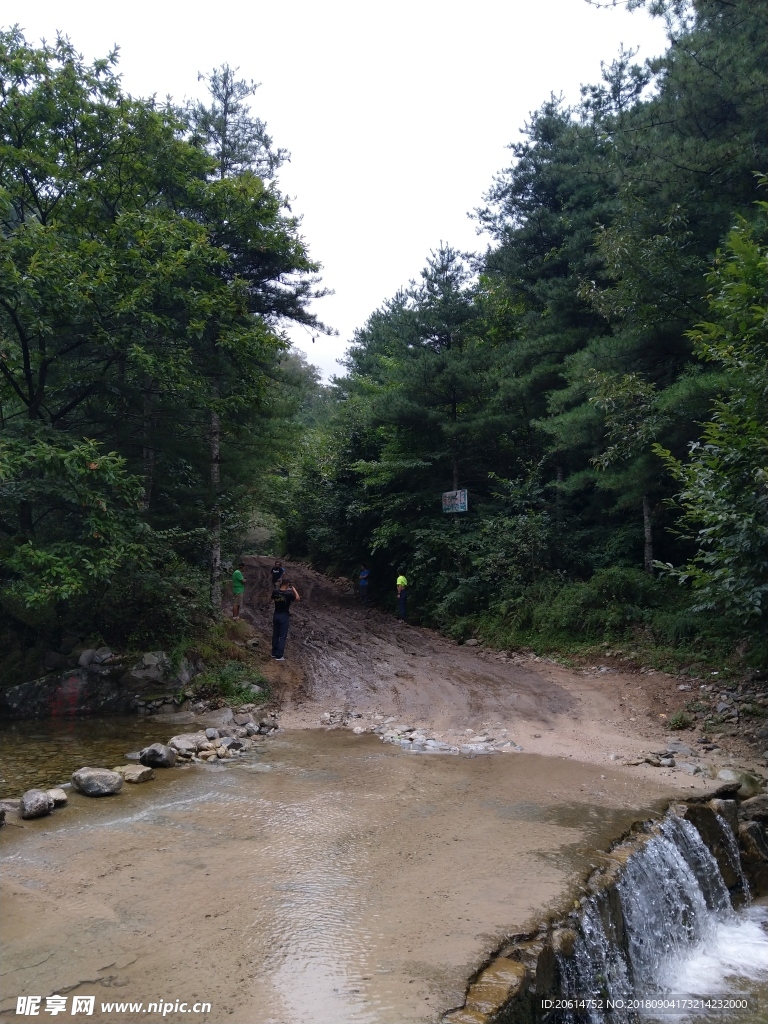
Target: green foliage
(231, 683)
(680, 720)
(541, 375)
(723, 496)
(146, 265)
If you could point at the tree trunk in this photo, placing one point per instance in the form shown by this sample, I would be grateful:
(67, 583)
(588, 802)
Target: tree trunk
(455, 464)
(648, 534)
(148, 451)
(215, 444)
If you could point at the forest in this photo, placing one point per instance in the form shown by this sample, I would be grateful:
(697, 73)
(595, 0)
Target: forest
(595, 375)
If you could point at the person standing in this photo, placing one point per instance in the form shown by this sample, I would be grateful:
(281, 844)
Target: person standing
(238, 590)
(402, 595)
(363, 577)
(277, 573)
(283, 596)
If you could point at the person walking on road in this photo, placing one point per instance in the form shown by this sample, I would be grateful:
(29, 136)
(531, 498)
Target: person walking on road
(283, 596)
(402, 595)
(363, 577)
(238, 590)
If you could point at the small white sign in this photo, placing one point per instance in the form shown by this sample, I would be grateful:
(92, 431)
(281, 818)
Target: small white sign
(454, 501)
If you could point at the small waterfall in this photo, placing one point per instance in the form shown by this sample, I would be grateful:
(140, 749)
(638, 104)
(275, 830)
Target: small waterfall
(669, 904)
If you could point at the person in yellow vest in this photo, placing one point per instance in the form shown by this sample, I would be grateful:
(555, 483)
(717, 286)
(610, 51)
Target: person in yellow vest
(402, 595)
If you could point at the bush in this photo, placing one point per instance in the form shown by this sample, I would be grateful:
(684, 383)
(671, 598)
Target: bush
(610, 602)
(231, 684)
(680, 720)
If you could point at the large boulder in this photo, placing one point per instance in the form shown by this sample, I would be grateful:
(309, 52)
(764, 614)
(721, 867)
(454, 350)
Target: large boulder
(35, 803)
(158, 755)
(97, 781)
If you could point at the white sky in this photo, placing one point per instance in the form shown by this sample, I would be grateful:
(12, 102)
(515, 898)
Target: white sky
(396, 114)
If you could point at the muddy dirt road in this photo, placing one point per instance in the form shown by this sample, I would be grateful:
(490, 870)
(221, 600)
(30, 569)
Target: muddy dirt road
(361, 662)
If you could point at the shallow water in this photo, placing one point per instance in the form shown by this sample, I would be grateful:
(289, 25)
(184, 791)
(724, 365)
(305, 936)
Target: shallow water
(322, 879)
(44, 753)
(325, 879)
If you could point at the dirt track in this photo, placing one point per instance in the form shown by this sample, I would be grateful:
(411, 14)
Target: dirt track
(341, 656)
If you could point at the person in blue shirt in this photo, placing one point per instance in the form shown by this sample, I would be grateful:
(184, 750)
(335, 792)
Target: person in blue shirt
(363, 577)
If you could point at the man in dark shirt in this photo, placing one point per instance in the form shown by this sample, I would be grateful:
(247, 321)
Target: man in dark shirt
(277, 574)
(284, 596)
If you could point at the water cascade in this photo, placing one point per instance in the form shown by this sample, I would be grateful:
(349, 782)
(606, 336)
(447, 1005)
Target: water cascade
(667, 921)
(668, 910)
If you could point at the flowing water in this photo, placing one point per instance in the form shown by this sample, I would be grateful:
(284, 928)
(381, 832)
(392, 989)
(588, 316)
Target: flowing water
(675, 949)
(330, 879)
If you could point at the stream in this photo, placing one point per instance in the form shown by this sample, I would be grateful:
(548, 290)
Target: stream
(325, 878)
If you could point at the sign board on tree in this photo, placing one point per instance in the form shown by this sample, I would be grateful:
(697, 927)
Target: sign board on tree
(454, 501)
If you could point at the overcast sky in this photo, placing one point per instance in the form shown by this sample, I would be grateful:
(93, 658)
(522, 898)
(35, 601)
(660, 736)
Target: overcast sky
(396, 114)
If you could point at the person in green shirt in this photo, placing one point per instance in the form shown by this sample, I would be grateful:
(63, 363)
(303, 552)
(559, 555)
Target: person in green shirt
(238, 589)
(402, 594)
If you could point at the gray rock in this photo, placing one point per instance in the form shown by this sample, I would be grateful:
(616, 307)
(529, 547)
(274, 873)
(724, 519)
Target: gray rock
(752, 842)
(187, 738)
(678, 747)
(722, 706)
(251, 729)
(135, 773)
(11, 806)
(59, 796)
(256, 689)
(211, 734)
(667, 762)
(243, 719)
(134, 755)
(728, 811)
(215, 719)
(755, 808)
(97, 781)
(185, 750)
(748, 784)
(230, 743)
(101, 655)
(158, 755)
(472, 643)
(690, 769)
(86, 658)
(35, 803)
(2, 815)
